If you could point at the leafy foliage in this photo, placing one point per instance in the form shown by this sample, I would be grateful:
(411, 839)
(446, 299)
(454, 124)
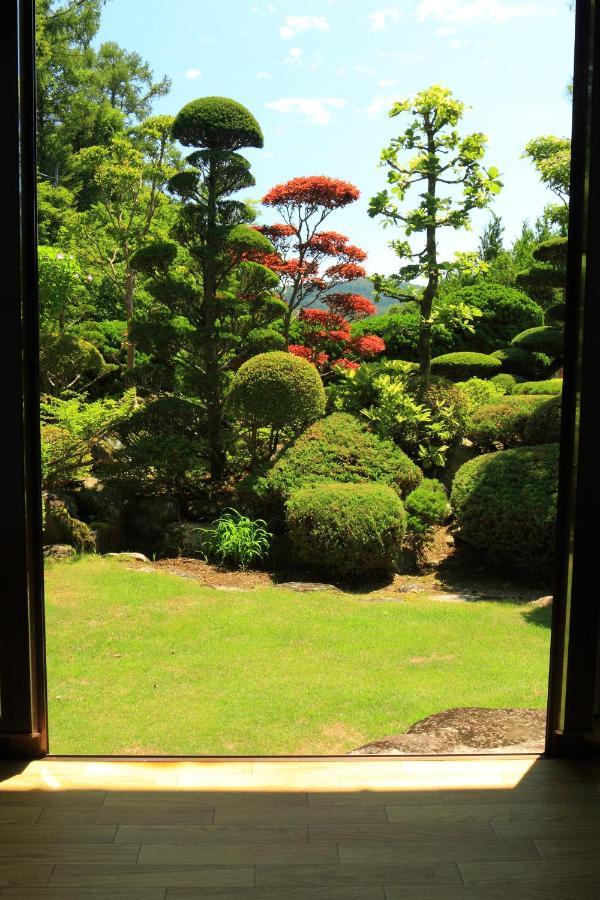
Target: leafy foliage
(460, 366)
(543, 426)
(549, 386)
(346, 529)
(426, 507)
(236, 540)
(481, 393)
(545, 339)
(502, 424)
(505, 312)
(518, 361)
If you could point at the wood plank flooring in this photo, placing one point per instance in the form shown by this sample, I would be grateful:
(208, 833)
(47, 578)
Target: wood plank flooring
(316, 829)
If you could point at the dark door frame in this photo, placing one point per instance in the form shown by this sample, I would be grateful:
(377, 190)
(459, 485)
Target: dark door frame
(574, 690)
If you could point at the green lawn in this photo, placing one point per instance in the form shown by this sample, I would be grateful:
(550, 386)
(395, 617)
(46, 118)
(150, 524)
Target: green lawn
(146, 662)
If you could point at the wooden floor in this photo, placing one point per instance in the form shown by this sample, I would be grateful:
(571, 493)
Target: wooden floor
(333, 829)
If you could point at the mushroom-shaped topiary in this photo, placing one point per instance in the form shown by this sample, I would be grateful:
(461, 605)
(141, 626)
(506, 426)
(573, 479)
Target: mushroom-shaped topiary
(218, 124)
(523, 363)
(460, 366)
(545, 339)
(277, 390)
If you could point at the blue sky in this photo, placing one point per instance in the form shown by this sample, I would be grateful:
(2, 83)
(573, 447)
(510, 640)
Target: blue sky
(320, 76)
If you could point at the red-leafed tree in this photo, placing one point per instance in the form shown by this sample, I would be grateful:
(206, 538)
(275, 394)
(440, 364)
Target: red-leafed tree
(309, 261)
(326, 336)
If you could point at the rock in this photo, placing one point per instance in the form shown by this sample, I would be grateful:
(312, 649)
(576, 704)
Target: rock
(183, 539)
(129, 555)
(98, 502)
(467, 730)
(147, 517)
(59, 551)
(542, 602)
(305, 587)
(61, 528)
(109, 536)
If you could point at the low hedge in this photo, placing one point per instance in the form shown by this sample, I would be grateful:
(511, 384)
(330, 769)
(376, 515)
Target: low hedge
(523, 363)
(550, 386)
(346, 529)
(502, 424)
(461, 366)
(505, 506)
(543, 426)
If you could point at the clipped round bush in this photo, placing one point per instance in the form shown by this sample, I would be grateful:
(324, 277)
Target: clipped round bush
(480, 392)
(504, 381)
(522, 363)
(346, 529)
(217, 123)
(505, 311)
(545, 339)
(461, 366)
(277, 390)
(543, 426)
(505, 506)
(502, 424)
(551, 386)
(426, 507)
(264, 340)
(339, 448)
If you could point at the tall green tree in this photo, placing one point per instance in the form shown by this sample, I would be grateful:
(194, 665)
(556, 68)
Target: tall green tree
(447, 171)
(131, 208)
(491, 242)
(551, 157)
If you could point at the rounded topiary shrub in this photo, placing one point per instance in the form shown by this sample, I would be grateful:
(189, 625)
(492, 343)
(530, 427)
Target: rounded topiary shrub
(545, 339)
(543, 426)
(502, 424)
(551, 386)
(339, 448)
(504, 381)
(461, 366)
(346, 530)
(277, 390)
(217, 123)
(504, 312)
(481, 392)
(505, 506)
(426, 507)
(264, 340)
(523, 363)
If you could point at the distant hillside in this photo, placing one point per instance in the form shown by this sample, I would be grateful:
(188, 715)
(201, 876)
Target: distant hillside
(365, 287)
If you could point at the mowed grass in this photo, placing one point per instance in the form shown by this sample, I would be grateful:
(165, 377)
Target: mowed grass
(142, 662)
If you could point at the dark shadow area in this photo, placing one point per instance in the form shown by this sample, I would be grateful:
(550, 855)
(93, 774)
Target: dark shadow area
(311, 829)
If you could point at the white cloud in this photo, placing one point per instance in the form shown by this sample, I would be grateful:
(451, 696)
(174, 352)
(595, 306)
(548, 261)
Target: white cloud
(193, 73)
(446, 31)
(380, 104)
(465, 12)
(263, 75)
(381, 17)
(387, 82)
(316, 110)
(294, 57)
(296, 24)
(364, 70)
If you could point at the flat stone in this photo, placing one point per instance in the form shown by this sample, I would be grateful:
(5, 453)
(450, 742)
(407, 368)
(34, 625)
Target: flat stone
(59, 551)
(132, 557)
(542, 602)
(305, 587)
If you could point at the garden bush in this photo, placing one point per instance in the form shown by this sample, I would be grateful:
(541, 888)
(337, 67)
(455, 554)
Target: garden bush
(504, 310)
(548, 387)
(505, 506)
(346, 529)
(236, 540)
(426, 507)
(461, 366)
(277, 390)
(400, 330)
(546, 339)
(543, 426)
(523, 363)
(502, 424)
(480, 392)
(504, 381)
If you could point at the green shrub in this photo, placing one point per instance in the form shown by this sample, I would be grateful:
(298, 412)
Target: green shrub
(264, 340)
(236, 540)
(346, 529)
(548, 387)
(426, 507)
(503, 423)
(546, 339)
(277, 390)
(504, 310)
(523, 363)
(218, 123)
(460, 366)
(60, 527)
(480, 392)
(400, 330)
(504, 381)
(505, 506)
(543, 426)
(555, 314)
(339, 448)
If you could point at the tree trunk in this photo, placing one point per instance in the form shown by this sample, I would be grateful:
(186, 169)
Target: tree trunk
(431, 289)
(211, 359)
(129, 292)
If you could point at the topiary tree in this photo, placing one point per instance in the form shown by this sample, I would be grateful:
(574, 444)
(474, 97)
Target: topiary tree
(543, 426)
(346, 529)
(67, 362)
(426, 507)
(546, 278)
(504, 312)
(505, 507)
(546, 339)
(502, 424)
(460, 366)
(277, 391)
(209, 227)
(522, 363)
(443, 160)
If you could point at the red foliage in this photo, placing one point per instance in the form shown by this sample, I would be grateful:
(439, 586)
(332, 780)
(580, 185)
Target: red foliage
(352, 306)
(348, 364)
(367, 346)
(345, 271)
(318, 190)
(276, 231)
(314, 356)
